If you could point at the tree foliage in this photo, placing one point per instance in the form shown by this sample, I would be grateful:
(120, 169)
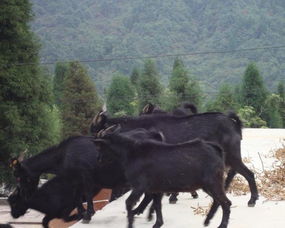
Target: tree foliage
(61, 70)
(149, 88)
(179, 79)
(250, 118)
(120, 97)
(281, 93)
(225, 100)
(253, 92)
(142, 28)
(26, 121)
(80, 101)
(272, 111)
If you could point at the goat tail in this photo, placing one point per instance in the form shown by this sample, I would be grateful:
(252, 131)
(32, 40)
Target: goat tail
(192, 107)
(238, 123)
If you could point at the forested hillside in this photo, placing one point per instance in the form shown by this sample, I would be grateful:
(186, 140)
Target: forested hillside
(92, 29)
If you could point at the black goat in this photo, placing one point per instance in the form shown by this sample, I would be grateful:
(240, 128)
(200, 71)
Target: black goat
(56, 199)
(155, 167)
(225, 130)
(75, 153)
(183, 110)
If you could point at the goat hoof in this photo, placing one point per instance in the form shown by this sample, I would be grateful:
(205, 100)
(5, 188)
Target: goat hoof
(206, 223)
(172, 201)
(86, 218)
(149, 218)
(195, 196)
(136, 212)
(251, 204)
(85, 221)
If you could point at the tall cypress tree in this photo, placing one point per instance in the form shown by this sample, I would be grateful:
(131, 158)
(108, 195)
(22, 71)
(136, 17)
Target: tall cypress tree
(60, 73)
(149, 88)
(225, 100)
(179, 79)
(272, 111)
(80, 101)
(120, 96)
(135, 76)
(281, 93)
(253, 91)
(25, 93)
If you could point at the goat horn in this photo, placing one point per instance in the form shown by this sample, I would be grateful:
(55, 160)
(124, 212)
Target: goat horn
(22, 155)
(109, 129)
(146, 109)
(99, 134)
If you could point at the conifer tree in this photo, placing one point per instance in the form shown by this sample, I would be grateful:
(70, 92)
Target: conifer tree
(135, 75)
(179, 79)
(149, 88)
(25, 93)
(194, 93)
(253, 91)
(281, 93)
(187, 89)
(120, 96)
(225, 100)
(80, 101)
(60, 72)
(272, 111)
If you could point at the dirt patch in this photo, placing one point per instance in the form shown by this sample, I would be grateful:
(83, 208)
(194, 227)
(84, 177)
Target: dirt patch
(270, 183)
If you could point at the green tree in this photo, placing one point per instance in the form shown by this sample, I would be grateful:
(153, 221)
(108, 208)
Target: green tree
(149, 88)
(250, 118)
(225, 100)
(179, 79)
(281, 93)
(25, 89)
(80, 101)
(194, 93)
(184, 87)
(253, 91)
(272, 111)
(135, 76)
(120, 96)
(60, 71)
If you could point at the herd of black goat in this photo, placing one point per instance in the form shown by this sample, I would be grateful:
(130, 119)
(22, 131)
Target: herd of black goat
(151, 154)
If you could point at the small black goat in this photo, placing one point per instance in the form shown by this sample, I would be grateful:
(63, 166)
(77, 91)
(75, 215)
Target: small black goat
(56, 199)
(155, 167)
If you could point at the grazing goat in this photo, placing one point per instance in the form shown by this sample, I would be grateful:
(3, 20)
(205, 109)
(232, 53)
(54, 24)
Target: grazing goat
(75, 153)
(155, 167)
(225, 130)
(56, 199)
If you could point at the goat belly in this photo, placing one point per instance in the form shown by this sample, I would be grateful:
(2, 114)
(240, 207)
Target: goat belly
(165, 182)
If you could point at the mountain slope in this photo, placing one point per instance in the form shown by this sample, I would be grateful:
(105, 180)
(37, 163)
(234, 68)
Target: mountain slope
(93, 29)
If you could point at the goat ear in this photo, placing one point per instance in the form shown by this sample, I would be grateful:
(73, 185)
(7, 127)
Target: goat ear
(14, 163)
